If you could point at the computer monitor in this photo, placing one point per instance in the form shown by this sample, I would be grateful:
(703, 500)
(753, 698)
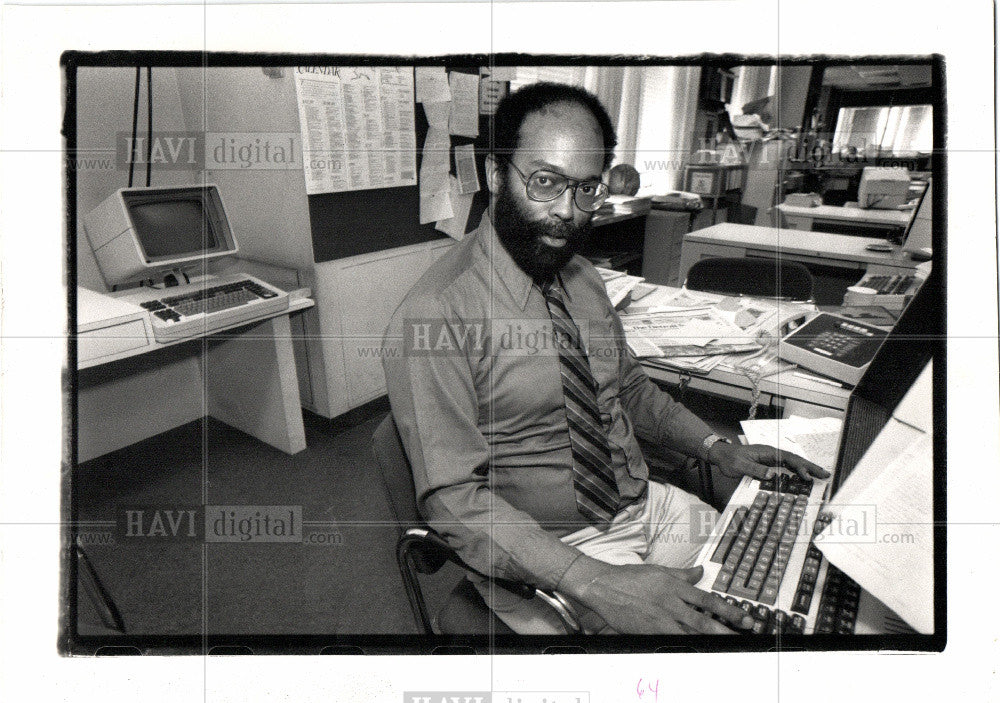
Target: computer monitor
(140, 232)
(917, 237)
(895, 367)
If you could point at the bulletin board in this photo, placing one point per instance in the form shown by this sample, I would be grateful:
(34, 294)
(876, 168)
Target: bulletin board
(357, 222)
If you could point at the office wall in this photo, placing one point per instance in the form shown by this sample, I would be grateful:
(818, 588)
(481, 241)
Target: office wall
(269, 209)
(104, 109)
(243, 107)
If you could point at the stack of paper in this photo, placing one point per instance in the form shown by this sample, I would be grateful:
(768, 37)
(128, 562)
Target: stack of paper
(684, 333)
(620, 286)
(893, 484)
(816, 439)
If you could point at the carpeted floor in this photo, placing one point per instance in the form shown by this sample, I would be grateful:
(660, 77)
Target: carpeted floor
(348, 584)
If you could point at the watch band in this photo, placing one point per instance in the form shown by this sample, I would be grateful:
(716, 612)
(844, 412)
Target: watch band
(710, 442)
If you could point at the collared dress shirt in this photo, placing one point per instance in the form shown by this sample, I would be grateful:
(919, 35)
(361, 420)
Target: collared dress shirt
(474, 384)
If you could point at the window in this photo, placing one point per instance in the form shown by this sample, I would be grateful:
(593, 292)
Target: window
(899, 129)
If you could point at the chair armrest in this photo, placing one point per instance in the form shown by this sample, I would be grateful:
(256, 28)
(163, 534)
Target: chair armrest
(427, 551)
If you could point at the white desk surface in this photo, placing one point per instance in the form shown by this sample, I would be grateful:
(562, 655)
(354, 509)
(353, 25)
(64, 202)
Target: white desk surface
(296, 305)
(792, 241)
(639, 209)
(850, 214)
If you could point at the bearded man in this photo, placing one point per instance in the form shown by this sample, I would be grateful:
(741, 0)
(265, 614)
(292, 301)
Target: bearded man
(519, 402)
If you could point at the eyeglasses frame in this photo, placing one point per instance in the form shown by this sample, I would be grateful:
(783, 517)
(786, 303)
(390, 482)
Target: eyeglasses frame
(570, 183)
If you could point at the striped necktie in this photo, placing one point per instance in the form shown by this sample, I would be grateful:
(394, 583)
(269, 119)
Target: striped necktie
(597, 495)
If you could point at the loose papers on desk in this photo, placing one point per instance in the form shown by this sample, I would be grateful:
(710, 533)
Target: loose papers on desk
(753, 323)
(357, 127)
(814, 438)
(699, 333)
(618, 284)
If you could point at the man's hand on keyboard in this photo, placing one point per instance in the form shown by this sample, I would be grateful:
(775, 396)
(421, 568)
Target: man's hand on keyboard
(758, 461)
(644, 598)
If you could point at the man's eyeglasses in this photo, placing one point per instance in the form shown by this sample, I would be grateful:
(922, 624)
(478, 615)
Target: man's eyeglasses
(544, 186)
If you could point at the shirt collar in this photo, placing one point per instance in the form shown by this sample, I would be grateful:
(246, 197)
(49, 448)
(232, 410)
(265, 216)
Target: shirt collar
(517, 282)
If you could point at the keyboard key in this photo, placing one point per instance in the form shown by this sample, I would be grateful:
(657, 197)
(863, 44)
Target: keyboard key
(768, 594)
(798, 625)
(802, 603)
(825, 623)
(722, 581)
(727, 538)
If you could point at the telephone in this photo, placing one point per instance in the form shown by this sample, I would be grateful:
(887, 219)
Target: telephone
(834, 346)
(783, 323)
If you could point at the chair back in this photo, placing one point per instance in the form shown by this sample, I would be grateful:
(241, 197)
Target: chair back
(397, 477)
(764, 278)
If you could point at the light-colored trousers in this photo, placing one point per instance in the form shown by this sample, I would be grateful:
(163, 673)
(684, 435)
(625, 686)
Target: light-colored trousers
(667, 528)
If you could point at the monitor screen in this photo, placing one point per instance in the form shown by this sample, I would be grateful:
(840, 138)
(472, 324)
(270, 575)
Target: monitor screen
(894, 369)
(173, 227)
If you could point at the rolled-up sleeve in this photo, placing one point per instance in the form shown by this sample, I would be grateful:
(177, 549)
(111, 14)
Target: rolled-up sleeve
(434, 403)
(656, 416)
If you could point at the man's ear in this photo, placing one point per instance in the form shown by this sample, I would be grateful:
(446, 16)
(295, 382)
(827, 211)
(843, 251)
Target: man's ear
(494, 177)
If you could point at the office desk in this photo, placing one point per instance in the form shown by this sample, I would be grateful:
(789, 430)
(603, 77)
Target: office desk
(243, 375)
(877, 223)
(793, 394)
(798, 394)
(618, 238)
(821, 248)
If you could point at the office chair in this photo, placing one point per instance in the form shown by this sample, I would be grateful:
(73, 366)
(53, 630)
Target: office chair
(420, 550)
(763, 278)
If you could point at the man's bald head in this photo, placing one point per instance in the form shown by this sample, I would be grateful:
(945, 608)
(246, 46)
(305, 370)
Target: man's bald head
(555, 99)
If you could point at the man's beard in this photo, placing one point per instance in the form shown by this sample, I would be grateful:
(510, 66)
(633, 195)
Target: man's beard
(521, 238)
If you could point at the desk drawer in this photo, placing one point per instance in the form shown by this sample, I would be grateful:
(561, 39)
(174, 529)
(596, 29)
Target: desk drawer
(806, 259)
(796, 222)
(714, 251)
(114, 339)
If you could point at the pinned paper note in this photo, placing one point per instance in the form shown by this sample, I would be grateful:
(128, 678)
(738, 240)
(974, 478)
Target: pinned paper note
(432, 84)
(500, 73)
(346, 116)
(434, 163)
(465, 168)
(491, 92)
(461, 204)
(435, 206)
(438, 115)
(464, 104)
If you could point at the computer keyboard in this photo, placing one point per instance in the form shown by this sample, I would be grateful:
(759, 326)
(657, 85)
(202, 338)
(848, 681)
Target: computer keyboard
(889, 285)
(204, 307)
(757, 544)
(770, 621)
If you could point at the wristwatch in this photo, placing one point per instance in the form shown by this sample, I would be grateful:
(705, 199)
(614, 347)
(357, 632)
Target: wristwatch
(710, 442)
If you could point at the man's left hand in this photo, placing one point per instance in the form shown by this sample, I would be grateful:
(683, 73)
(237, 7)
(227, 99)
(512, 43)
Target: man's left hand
(758, 461)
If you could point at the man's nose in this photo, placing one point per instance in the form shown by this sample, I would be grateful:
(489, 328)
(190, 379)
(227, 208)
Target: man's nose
(562, 207)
